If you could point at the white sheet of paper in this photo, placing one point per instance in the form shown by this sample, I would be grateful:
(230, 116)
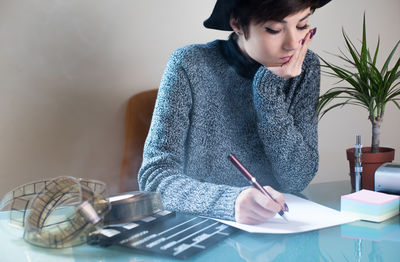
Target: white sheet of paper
(304, 215)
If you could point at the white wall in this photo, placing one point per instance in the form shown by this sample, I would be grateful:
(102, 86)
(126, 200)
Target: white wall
(67, 69)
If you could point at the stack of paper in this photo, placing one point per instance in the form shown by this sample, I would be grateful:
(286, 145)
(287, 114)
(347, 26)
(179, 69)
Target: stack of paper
(304, 215)
(370, 205)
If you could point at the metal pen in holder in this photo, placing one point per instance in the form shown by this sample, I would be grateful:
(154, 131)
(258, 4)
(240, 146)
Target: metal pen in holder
(357, 163)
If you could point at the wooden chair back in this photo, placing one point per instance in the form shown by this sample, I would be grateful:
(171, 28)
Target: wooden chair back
(138, 116)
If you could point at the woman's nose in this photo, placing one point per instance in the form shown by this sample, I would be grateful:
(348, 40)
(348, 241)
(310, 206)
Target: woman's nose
(291, 41)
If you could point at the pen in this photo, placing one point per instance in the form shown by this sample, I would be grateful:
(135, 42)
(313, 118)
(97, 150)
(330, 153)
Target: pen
(254, 182)
(357, 163)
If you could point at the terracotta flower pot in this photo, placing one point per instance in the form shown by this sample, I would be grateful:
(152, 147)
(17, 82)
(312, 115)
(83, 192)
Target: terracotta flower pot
(370, 162)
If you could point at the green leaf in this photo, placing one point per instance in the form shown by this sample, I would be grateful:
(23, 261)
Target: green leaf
(364, 51)
(385, 66)
(369, 87)
(393, 72)
(393, 94)
(376, 51)
(353, 51)
(397, 104)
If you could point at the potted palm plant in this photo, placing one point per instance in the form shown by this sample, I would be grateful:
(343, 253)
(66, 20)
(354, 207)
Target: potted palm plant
(368, 87)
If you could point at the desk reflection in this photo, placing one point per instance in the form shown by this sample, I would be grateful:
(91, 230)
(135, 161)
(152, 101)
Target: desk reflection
(289, 247)
(386, 230)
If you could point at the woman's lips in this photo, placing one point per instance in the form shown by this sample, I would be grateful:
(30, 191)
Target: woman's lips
(286, 59)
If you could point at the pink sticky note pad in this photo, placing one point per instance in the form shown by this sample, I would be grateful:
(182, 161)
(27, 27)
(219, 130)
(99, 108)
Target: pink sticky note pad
(371, 197)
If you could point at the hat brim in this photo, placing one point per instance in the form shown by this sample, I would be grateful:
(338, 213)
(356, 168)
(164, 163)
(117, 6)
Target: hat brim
(219, 18)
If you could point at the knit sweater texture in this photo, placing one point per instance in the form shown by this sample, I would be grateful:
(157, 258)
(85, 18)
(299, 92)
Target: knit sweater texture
(206, 109)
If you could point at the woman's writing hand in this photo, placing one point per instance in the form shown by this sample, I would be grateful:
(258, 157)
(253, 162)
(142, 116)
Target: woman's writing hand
(292, 68)
(253, 207)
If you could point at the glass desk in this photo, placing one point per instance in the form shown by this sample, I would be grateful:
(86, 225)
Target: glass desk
(358, 241)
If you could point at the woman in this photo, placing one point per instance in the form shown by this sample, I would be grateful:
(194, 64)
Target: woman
(253, 95)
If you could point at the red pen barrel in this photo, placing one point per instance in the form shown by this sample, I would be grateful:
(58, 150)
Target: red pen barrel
(254, 182)
(241, 168)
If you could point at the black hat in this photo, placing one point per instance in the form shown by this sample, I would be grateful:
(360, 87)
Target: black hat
(220, 16)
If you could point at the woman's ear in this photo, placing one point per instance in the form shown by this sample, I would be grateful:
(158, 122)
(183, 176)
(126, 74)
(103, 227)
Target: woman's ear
(234, 23)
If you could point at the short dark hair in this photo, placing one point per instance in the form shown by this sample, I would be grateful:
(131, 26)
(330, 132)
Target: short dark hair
(259, 11)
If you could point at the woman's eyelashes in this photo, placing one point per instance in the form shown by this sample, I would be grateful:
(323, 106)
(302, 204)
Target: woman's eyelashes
(276, 31)
(304, 27)
(272, 31)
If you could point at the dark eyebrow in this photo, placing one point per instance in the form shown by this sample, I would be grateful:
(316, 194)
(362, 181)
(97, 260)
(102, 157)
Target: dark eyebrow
(304, 18)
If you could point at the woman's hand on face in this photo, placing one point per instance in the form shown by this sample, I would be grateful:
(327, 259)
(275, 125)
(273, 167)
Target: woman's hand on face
(253, 207)
(292, 68)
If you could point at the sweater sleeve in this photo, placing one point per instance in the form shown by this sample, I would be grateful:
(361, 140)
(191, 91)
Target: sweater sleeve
(163, 169)
(288, 127)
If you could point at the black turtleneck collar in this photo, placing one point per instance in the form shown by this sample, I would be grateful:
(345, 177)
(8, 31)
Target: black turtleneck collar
(243, 65)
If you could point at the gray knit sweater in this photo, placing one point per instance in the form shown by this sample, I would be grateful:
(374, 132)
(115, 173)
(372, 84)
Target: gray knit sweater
(205, 110)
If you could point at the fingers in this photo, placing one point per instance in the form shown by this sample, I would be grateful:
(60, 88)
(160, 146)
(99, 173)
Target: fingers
(294, 66)
(309, 36)
(306, 42)
(300, 53)
(267, 202)
(253, 207)
(277, 196)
